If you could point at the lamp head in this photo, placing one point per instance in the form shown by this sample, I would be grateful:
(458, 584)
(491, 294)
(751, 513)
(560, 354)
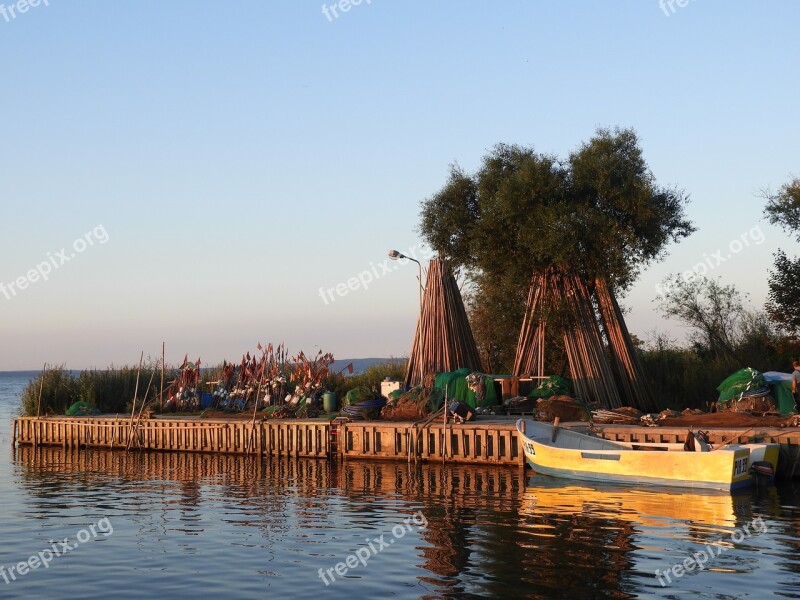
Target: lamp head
(395, 255)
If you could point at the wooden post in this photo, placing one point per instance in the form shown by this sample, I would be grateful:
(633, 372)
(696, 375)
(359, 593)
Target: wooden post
(41, 387)
(161, 395)
(135, 394)
(443, 448)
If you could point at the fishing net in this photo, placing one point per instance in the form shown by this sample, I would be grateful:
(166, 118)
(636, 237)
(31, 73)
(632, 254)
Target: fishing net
(358, 395)
(457, 386)
(413, 404)
(552, 386)
(82, 409)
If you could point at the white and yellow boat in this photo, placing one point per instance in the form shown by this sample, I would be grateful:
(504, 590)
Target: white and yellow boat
(559, 452)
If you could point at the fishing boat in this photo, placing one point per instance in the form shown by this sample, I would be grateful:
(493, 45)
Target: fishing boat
(551, 450)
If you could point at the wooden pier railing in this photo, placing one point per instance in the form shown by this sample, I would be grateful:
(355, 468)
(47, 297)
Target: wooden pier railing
(480, 443)
(297, 438)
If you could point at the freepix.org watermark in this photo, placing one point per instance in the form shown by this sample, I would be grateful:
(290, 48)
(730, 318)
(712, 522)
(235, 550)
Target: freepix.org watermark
(363, 280)
(710, 262)
(332, 11)
(11, 11)
(42, 271)
(45, 557)
(699, 559)
(373, 548)
(671, 6)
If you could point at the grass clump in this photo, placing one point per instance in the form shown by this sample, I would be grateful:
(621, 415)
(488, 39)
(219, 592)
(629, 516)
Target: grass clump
(110, 390)
(58, 390)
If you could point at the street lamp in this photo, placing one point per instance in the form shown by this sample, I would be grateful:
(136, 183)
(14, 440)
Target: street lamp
(395, 255)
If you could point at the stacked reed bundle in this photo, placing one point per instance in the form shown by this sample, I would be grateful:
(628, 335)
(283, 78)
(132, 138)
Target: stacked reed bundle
(626, 360)
(583, 315)
(443, 340)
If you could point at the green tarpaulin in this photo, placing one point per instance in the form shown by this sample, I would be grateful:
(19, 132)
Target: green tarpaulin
(749, 380)
(745, 380)
(552, 386)
(780, 385)
(456, 386)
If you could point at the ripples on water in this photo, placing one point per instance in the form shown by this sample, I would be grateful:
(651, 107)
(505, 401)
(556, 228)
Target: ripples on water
(235, 527)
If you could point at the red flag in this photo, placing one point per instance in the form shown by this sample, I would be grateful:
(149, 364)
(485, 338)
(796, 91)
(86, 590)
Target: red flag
(350, 368)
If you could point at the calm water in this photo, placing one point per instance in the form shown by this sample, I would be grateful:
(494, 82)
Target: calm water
(171, 525)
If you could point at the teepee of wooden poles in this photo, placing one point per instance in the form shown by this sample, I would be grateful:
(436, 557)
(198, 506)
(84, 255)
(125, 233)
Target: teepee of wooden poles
(443, 340)
(623, 354)
(602, 361)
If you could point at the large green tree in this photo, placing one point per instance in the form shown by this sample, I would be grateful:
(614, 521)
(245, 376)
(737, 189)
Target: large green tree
(783, 301)
(599, 212)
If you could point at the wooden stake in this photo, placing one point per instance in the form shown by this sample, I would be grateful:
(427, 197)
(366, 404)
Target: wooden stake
(161, 395)
(135, 431)
(41, 388)
(136, 390)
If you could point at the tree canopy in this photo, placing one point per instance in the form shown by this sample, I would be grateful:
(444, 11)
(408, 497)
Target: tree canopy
(783, 208)
(783, 299)
(714, 311)
(599, 212)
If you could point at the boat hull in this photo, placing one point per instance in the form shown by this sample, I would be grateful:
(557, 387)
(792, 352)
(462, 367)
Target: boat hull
(584, 458)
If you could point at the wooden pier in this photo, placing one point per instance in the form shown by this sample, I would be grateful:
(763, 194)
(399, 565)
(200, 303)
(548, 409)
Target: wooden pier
(308, 439)
(483, 442)
(487, 441)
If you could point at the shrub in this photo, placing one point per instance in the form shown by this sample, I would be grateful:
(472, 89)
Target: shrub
(371, 378)
(58, 390)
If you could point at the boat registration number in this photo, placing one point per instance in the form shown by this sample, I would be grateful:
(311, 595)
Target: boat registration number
(529, 448)
(740, 466)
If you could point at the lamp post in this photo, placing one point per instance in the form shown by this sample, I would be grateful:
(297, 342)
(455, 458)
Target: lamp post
(395, 255)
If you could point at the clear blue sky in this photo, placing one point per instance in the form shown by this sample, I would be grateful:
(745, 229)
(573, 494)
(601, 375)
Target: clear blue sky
(240, 156)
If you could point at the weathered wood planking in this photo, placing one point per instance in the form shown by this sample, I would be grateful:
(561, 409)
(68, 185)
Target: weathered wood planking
(477, 443)
(491, 443)
(298, 438)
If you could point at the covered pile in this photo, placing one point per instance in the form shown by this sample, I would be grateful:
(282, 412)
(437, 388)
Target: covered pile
(750, 391)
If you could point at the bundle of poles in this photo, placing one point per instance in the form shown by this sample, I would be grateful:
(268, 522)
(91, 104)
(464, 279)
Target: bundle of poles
(443, 340)
(603, 364)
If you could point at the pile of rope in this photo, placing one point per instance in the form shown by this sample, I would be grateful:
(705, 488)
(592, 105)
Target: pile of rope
(367, 409)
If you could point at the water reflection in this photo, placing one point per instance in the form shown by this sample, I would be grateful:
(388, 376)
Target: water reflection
(491, 531)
